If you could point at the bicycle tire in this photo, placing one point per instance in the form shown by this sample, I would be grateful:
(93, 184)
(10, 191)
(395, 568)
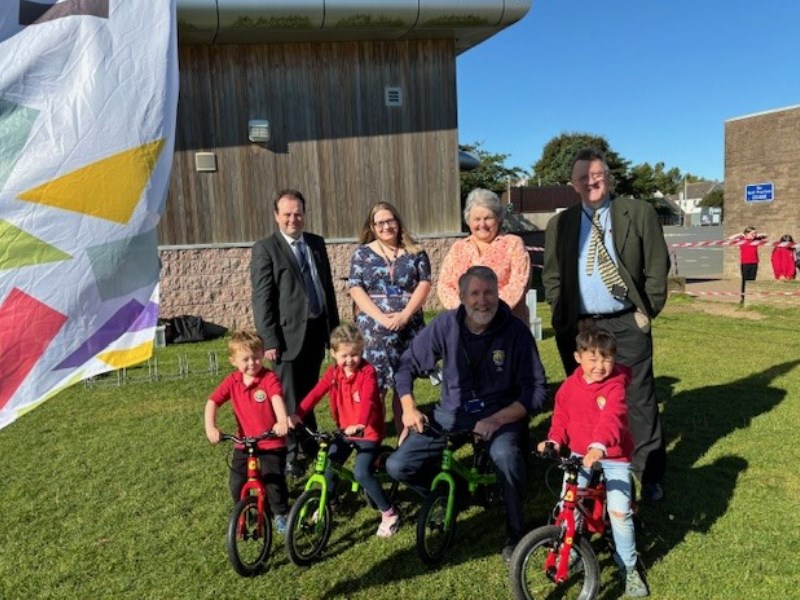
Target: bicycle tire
(531, 581)
(433, 535)
(248, 541)
(307, 534)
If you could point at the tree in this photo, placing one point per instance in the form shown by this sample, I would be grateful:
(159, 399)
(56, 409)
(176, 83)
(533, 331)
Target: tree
(646, 180)
(715, 198)
(491, 174)
(553, 168)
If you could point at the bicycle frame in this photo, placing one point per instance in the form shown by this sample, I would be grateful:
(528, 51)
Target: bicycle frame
(575, 516)
(471, 475)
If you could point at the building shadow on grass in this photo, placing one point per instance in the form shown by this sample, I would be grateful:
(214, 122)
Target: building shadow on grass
(695, 420)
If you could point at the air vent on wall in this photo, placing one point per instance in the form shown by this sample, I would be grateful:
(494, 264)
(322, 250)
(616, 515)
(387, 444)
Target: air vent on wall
(393, 96)
(205, 162)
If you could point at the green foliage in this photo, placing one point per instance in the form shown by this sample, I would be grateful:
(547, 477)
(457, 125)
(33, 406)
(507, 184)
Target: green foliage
(553, 168)
(640, 181)
(491, 174)
(114, 492)
(715, 199)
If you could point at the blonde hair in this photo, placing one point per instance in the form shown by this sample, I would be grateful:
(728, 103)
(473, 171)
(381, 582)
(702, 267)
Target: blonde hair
(245, 340)
(404, 238)
(346, 333)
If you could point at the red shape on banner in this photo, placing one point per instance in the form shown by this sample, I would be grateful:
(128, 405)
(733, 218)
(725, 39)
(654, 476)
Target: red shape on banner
(27, 327)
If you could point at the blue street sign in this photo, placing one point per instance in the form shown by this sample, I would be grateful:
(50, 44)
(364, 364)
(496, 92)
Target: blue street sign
(759, 192)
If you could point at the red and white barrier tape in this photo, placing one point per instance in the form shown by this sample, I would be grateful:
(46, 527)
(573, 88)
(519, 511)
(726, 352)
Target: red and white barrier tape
(737, 293)
(709, 243)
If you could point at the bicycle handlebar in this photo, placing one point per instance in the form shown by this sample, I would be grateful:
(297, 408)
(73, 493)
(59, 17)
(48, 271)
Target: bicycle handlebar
(246, 440)
(566, 462)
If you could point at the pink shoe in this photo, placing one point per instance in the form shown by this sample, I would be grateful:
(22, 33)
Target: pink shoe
(390, 523)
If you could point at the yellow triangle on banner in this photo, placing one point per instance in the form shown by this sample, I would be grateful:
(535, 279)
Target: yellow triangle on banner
(21, 249)
(108, 189)
(129, 357)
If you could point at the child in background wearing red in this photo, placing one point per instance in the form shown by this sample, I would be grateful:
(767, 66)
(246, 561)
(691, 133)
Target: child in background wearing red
(257, 400)
(784, 265)
(591, 418)
(356, 407)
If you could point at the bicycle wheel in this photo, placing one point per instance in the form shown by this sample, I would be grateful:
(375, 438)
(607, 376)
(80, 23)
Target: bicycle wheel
(307, 529)
(531, 579)
(249, 537)
(433, 534)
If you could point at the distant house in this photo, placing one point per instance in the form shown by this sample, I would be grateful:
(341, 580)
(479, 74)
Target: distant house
(689, 198)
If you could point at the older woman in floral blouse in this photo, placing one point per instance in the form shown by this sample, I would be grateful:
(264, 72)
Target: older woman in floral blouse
(486, 245)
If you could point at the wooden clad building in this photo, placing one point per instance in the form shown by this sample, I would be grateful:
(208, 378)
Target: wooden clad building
(360, 101)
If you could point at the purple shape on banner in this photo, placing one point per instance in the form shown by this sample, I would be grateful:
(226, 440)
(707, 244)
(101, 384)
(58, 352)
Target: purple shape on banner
(147, 318)
(111, 330)
(33, 13)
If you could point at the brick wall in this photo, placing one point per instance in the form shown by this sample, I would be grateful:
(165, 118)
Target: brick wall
(214, 283)
(762, 148)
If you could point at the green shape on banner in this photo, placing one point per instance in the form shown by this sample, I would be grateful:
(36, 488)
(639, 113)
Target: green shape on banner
(21, 249)
(16, 122)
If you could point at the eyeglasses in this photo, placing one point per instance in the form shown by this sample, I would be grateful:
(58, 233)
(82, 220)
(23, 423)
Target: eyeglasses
(591, 178)
(388, 223)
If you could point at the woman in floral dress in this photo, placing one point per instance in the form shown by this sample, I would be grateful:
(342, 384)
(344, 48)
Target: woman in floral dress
(390, 279)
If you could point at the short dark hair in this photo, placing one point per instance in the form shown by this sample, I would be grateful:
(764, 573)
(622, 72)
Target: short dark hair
(289, 193)
(589, 154)
(598, 339)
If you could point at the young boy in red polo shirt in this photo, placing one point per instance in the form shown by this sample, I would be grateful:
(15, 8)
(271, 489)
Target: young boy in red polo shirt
(257, 400)
(356, 406)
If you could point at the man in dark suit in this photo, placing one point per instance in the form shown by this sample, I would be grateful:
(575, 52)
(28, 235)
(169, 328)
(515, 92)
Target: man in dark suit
(294, 306)
(606, 263)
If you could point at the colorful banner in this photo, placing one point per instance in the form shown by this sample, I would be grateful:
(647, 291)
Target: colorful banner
(88, 96)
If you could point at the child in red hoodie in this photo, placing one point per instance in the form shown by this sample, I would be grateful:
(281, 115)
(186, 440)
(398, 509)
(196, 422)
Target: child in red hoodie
(356, 406)
(591, 417)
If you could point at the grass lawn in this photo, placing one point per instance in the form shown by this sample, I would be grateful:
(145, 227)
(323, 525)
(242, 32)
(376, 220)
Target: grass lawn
(112, 491)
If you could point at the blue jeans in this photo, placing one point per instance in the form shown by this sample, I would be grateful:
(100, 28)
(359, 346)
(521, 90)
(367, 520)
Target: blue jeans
(363, 471)
(418, 459)
(618, 501)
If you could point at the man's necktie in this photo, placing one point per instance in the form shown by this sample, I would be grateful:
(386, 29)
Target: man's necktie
(314, 305)
(598, 253)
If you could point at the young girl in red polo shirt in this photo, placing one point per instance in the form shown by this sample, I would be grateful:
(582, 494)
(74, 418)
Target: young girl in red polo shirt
(257, 399)
(356, 406)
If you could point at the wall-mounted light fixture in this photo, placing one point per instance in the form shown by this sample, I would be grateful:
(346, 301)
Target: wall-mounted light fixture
(258, 131)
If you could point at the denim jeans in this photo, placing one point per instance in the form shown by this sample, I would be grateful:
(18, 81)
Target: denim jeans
(363, 471)
(618, 500)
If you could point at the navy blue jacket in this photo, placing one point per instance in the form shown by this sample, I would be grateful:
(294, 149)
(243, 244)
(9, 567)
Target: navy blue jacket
(498, 367)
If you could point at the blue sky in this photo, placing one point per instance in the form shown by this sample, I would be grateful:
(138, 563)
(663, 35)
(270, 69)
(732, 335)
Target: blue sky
(657, 78)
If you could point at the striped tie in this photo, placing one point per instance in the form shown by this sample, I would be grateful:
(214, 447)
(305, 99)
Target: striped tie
(598, 253)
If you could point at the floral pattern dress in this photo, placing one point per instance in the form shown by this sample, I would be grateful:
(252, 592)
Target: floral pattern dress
(391, 293)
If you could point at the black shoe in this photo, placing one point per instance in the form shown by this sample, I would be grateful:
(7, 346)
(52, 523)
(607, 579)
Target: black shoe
(652, 492)
(295, 469)
(508, 550)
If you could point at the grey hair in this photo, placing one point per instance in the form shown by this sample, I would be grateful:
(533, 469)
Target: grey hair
(478, 272)
(486, 199)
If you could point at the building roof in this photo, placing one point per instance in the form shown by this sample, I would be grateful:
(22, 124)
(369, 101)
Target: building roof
(286, 21)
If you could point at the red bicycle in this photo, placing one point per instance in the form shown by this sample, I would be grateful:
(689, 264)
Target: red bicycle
(249, 536)
(557, 560)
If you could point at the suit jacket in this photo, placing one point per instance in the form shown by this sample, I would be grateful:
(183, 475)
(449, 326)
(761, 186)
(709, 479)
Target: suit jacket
(280, 302)
(641, 250)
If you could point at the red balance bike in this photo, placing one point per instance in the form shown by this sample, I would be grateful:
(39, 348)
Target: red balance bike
(557, 560)
(249, 535)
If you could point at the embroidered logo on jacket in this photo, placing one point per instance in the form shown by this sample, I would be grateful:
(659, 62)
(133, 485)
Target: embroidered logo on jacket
(498, 357)
(259, 395)
(601, 402)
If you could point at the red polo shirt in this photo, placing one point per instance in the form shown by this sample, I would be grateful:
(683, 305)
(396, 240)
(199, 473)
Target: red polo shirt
(252, 404)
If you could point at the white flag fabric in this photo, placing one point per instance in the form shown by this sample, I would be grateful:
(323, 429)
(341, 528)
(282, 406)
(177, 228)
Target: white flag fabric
(88, 97)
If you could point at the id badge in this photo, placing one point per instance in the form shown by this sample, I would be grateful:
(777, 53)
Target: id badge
(474, 406)
(393, 290)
